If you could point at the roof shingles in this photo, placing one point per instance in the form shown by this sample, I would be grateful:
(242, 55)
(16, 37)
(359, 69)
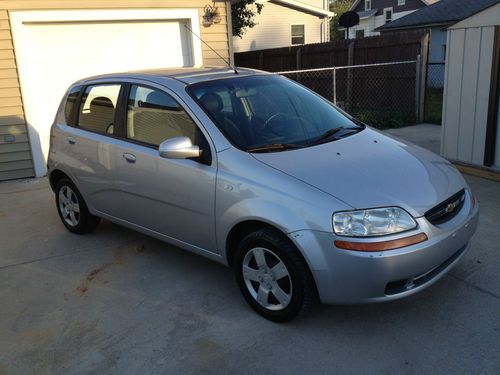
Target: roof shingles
(443, 12)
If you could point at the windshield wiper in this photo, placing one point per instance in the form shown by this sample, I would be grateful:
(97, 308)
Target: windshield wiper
(330, 133)
(275, 147)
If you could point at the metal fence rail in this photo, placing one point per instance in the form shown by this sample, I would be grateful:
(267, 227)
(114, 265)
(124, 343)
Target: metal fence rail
(382, 95)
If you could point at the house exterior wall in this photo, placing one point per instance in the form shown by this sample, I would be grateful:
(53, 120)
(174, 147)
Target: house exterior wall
(371, 23)
(410, 5)
(15, 152)
(467, 87)
(273, 28)
(437, 45)
(378, 19)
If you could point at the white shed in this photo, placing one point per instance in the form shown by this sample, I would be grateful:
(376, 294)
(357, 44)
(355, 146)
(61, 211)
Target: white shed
(471, 130)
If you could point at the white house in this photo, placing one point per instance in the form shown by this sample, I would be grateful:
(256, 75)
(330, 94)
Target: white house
(471, 128)
(375, 13)
(284, 23)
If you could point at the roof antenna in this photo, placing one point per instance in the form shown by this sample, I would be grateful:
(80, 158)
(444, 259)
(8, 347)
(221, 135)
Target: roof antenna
(217, 53)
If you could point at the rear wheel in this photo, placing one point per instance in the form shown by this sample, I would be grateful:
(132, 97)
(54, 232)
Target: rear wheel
(72, 209)
(273, 277)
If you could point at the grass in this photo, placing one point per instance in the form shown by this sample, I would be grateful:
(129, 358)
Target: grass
(433, 106)
(385, 119)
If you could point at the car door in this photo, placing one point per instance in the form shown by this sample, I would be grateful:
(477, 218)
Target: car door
(90, 149)
(173, 197)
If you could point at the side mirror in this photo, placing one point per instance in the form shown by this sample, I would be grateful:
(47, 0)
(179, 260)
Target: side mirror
(179, 148)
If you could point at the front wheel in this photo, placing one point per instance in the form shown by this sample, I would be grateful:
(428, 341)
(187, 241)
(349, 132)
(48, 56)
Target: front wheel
(72, 208)
(273, 277)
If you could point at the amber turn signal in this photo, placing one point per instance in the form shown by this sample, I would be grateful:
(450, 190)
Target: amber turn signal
(382, 245)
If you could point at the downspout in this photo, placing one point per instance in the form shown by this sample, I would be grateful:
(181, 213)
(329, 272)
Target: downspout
(229, 21)
(325, 24)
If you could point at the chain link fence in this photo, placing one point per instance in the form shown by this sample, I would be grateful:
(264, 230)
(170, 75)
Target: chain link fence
(434, 92)
(382, 95)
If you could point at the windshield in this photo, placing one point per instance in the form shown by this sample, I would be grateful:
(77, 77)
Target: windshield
(270, 113)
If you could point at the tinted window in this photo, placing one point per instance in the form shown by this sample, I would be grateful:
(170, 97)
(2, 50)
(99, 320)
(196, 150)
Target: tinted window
(97, 112)
(154, 116)
(267, 110)
(70, 104)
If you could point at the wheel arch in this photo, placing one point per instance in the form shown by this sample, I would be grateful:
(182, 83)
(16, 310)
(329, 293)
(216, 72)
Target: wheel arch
(240, 230)
(55, 176)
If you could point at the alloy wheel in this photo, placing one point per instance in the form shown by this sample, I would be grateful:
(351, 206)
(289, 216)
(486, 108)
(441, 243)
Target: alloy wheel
(267, 278)
(69, 206)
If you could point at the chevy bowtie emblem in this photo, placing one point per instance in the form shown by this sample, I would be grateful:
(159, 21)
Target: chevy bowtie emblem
(451, 207)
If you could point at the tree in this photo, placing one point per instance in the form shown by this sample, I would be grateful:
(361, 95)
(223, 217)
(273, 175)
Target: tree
(339, 7)
(242, 14)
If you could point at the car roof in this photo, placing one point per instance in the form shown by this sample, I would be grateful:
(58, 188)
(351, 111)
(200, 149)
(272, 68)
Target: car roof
(185, 75)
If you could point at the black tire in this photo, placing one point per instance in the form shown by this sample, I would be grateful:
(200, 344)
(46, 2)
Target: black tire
(303, 289)
(86, 222)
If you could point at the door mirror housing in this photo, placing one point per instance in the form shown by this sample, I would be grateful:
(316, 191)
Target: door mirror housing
(179, 148)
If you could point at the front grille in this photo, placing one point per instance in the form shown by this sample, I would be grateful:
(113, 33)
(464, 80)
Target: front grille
(446, 210)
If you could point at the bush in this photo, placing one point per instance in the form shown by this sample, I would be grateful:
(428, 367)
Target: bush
(385, 119)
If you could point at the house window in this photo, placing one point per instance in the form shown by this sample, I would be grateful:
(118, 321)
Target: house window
(368, 4)
(298, 34)
(401, 2)
(388, 14)
(360, 33)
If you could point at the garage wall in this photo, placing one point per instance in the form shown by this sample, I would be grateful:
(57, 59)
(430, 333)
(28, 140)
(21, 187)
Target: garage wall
(15, 151)
(15, 154)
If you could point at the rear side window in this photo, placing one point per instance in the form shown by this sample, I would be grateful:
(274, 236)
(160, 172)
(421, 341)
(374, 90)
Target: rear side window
(70, 106)
(98, 107)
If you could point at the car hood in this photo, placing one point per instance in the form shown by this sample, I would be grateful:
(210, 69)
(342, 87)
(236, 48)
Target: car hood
(369, 169)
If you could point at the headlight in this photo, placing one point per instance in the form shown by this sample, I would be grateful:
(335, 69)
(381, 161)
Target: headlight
(372, 222)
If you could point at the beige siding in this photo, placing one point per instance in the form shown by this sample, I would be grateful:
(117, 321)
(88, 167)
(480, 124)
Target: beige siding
(15, 155)
(273, 28)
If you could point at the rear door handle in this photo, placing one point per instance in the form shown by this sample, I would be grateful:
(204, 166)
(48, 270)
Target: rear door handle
(129, 157)
(71, 140)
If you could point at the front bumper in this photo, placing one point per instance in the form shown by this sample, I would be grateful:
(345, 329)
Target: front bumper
(348, 277)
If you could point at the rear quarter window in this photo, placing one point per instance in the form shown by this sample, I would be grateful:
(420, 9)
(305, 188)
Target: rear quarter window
(71, 105)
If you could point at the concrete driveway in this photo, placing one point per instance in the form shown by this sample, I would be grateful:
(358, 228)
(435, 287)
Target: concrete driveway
(118, 302)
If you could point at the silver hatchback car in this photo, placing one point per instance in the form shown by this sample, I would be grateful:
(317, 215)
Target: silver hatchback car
(257, 172)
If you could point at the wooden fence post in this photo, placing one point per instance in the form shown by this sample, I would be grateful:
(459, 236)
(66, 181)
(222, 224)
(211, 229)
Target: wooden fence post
(298, 58)
(261, 60)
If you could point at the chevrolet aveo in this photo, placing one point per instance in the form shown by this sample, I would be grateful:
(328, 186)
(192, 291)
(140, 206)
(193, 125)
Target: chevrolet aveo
(257, 172)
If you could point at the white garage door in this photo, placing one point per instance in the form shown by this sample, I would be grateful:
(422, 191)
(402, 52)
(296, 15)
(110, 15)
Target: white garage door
(56, 48)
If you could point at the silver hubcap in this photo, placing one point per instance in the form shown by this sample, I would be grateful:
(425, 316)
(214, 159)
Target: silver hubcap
(69, 206)
(267, 279)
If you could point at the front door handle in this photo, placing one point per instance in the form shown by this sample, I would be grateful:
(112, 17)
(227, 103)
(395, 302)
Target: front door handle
(129, 157)
(71, 140)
